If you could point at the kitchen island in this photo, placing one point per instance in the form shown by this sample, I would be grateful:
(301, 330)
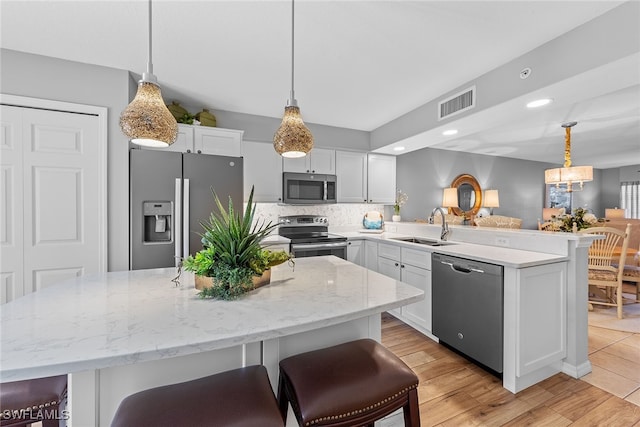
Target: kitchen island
(121, 332)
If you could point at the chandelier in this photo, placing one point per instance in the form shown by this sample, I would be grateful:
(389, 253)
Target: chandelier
(568, 175)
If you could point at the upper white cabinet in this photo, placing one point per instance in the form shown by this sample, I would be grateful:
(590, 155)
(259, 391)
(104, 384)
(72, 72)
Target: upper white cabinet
(262, 169)
(365, 178)
(351, 171)
(206, 140)
(381, 179)
(319, 160)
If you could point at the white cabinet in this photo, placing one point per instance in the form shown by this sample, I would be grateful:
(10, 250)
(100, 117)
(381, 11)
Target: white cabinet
(351, 172)
(355, 252)
(319, 160)
(371, 255)
(381, 178)
(263, 170)
(365, 178)
(206, 140)
(413, 267)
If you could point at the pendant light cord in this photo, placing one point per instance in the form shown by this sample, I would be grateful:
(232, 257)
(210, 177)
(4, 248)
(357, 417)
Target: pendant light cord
(293, 98)
(149, 63)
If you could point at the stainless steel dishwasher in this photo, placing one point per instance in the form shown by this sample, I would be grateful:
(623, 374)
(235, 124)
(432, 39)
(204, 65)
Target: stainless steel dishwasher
(468, 307)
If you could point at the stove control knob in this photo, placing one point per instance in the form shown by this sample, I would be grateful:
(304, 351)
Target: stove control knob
(324, 220)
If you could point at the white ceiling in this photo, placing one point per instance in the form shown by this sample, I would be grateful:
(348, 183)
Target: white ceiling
(359, 64)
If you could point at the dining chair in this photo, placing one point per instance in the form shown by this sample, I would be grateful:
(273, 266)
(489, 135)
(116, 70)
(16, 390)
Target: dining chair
(605, 271)
(548, 226)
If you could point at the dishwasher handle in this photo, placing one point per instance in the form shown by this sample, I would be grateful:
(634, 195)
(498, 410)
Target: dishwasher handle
(461, 269)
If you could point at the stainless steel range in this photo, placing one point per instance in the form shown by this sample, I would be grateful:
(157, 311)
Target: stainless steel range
(309, 235)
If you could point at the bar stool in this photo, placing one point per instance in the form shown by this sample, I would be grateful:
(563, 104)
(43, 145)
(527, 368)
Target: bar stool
(240, 397)
(29, 401)
(351, 384)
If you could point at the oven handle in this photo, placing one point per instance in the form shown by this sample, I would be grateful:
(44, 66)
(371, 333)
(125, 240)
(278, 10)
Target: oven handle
(303, 246)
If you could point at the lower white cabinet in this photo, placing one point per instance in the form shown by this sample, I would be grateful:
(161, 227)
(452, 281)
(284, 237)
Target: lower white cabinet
(355, 252)
(413, 267)
(371, 255)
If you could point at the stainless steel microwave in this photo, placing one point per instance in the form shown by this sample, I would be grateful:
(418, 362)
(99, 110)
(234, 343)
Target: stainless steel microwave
(308, 188)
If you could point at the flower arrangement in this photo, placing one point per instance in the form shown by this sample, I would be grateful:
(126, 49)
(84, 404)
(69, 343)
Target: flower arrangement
(401, 199)
(232, 254)
(581, 219)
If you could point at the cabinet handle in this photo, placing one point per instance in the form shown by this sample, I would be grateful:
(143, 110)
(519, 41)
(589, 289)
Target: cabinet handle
(402, 266)
(307, 170)
(199, 151)
(349, 243)
(365, 200)
(188, 151)
(397, 264)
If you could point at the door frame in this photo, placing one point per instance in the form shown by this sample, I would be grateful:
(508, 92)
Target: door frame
(102, 115)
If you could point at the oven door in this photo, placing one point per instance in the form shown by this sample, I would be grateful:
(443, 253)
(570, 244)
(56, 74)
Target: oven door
(301, 250)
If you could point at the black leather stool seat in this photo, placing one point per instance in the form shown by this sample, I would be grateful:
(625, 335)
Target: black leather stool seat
(241, 397)
(350, 384)
(24, 402)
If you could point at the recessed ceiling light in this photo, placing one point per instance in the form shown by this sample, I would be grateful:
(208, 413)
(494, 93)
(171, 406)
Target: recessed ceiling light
(450, 132)
(399, 148)
(539, 103)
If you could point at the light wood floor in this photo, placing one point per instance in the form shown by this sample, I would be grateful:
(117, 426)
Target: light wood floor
(455, 392)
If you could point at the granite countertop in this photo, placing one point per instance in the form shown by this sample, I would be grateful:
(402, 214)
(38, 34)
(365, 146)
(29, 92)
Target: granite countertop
(128, 317)
(508, 257)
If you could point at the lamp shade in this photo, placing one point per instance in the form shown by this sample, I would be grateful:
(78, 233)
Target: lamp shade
(491, 199)
(568, 175)
(450, 198)
(147, 121)
(293, 138)
(614, 213)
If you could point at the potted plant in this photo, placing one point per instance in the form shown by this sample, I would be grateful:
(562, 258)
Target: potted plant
(232, 256)
(401, 199)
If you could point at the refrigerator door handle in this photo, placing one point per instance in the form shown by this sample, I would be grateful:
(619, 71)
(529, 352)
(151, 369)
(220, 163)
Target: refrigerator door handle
(185, 222)
(177, 215)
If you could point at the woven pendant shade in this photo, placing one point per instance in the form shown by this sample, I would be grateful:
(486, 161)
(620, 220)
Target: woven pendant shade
(147, 120)
(293, 138)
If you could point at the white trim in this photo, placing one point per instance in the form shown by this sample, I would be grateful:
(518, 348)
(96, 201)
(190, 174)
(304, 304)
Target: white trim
(102, 115)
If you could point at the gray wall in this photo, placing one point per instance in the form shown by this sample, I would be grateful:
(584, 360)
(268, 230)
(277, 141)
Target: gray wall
(55, 79)
(423, 174)
(261, 128)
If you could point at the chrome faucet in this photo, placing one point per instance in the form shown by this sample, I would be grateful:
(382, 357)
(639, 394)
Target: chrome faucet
(445, 228)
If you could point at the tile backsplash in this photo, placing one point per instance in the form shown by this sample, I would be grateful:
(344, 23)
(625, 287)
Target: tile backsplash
(339, 214)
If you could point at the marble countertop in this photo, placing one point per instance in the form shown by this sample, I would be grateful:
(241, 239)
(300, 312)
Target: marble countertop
(128, 317)
(508, 257)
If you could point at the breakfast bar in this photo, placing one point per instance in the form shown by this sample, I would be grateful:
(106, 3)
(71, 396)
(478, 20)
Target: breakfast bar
(121, 332)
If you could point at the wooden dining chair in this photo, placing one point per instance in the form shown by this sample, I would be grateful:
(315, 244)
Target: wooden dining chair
(605, 270)
(548, 226)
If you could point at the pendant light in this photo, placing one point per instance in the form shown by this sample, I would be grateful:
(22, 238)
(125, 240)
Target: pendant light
(569, 174)
(293, 138)
(147, 121)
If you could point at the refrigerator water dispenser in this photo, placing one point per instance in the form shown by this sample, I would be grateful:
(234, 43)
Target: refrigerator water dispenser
(157, 222)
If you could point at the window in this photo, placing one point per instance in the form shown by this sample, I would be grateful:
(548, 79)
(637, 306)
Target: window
(629, 200)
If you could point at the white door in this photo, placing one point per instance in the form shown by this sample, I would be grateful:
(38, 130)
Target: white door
(11, 217)
(59, 177)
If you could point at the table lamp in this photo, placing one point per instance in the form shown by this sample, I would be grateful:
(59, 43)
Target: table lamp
(491, 200)
(450, 198)
(614, 213)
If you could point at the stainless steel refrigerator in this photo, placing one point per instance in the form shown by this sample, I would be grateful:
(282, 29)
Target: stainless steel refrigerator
(170, 195)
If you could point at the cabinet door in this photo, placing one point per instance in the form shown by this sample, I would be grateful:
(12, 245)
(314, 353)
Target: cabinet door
(220, 142)
(319, 160)
(323, 161)
(389, 267)
(184, 141)
(418, 312)
(262, 169)
(355, 250)
(351, 170)
(371, 255)
(381, 182)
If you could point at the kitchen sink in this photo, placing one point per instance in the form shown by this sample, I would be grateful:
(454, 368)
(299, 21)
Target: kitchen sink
(423, 241)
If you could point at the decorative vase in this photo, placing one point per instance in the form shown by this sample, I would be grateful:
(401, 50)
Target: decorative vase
(396, 218)
(207, 282)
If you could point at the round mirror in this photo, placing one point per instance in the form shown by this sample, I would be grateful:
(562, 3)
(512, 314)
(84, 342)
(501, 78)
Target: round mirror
(469, 195)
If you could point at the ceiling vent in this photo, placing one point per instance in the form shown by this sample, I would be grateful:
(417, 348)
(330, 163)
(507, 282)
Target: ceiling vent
(461, 101)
